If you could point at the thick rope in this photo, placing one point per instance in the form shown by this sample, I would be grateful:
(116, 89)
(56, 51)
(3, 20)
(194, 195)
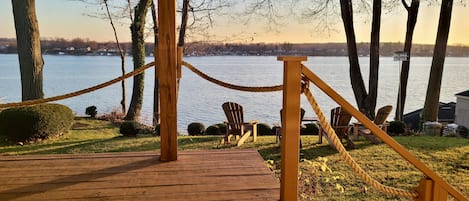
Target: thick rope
(326, 126)
(80, 92)
(231, 86)
(136, 72)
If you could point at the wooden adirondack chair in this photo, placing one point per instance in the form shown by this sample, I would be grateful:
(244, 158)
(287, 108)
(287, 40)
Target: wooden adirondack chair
(235, 125)
(278, 130)
(380, 120)
(340, 120)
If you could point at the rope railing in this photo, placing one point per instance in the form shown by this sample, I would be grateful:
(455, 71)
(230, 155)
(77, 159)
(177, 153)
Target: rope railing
(322, 119)
(136, 72)
(80, 92)
(439, 183)
(334, 139)
(231, 86)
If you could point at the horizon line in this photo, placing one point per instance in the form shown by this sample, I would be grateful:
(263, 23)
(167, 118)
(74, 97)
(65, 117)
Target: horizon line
(246, 43)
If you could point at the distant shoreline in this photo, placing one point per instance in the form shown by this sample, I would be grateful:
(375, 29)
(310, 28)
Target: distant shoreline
(79, 47)
(361, 56)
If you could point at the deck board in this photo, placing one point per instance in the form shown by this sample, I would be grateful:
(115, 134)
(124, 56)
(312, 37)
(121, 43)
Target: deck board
(197, 175)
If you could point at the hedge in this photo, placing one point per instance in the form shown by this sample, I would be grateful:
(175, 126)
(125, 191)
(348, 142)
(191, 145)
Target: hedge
(196, 128)
(34, 123)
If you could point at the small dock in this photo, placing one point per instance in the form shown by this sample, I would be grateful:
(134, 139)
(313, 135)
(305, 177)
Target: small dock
(196, 175)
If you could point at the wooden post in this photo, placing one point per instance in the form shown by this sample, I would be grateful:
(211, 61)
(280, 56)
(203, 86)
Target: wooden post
(290, 126)
(439, 193)
(167, 66)
(425, 190)
(430, 191)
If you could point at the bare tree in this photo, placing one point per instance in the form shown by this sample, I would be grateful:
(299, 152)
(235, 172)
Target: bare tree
(374, 60)
(412, 13)
(431, 107)
(121, 53)
(29, 48)
(184, 17)
(137, 29)
(197, 17)
(366, 101)
(156, 88)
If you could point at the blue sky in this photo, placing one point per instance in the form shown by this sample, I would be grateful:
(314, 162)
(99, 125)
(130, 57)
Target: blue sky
(68, 19)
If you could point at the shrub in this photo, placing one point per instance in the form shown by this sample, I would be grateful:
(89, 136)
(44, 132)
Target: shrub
(213, 130)
(396, 128)
(463, 131)
(276, 128)
(196, 128)
(222, 127)
(129, 128)
(309, 129)
(91, 110)
(264, 129)
(115, 116)
(35, 123)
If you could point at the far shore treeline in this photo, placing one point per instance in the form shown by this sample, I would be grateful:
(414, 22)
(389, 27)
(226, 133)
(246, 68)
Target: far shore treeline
(78, 47)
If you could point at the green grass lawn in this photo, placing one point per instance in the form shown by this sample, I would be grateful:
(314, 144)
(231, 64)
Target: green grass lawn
(449, 157)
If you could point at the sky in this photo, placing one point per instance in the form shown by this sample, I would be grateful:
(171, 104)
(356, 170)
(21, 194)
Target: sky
(69, 19)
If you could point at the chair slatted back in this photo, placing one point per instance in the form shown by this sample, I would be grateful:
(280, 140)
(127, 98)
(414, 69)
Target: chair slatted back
(340, 121)
(382, 114)
(302, 114)
(234, 115)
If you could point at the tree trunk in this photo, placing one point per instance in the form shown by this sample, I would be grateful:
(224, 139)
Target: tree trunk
(374, 60)
(121, 53)
(184, 17)
(138, 53)
(355, 74)
(412, 13)
(182, 36)
(123, 100)
(430, 110)
(29, 49)
(156, 88)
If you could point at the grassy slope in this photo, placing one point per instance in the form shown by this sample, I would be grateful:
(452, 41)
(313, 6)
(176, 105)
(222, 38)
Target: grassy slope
(448, 156)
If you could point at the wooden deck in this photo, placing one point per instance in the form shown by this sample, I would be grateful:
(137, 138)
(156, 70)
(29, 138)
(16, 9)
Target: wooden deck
(197, 175)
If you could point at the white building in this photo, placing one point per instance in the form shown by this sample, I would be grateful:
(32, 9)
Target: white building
(462, 109)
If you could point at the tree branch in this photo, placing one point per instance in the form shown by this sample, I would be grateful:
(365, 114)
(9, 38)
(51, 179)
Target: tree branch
(406, 6)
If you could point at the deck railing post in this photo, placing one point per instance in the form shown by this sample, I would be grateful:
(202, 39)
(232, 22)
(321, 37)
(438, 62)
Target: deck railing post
(290, 126)
(167, 67)
(430, 191)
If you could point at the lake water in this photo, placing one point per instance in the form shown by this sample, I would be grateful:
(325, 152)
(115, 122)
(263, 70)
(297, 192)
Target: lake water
(200, 100)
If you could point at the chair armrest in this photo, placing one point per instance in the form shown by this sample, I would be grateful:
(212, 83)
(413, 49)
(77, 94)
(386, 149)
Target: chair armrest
(253, 122)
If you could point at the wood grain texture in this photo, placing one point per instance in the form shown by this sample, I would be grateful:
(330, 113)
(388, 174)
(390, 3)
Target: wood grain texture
(290, 129)
(196, 175)
(167, 66)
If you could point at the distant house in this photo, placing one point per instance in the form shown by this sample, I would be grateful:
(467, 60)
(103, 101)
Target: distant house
(446, 115)
(462, 109)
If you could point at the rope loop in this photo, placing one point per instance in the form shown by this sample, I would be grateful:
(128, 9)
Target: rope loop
(231, 86)
(326, 126)
(136, 72)
(80, 92)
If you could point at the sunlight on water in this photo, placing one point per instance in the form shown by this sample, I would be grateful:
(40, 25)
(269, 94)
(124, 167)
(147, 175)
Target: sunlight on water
(200, 100)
